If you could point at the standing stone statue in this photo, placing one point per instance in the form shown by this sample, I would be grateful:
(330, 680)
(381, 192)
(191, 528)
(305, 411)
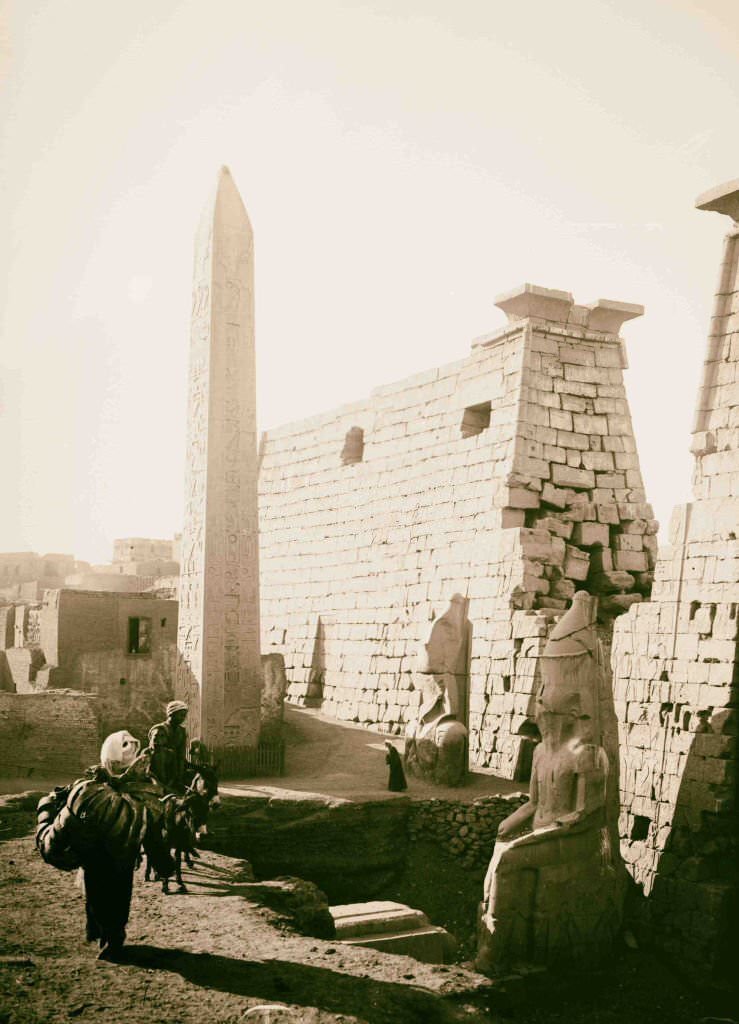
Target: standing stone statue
(550, 891)
(436, 743)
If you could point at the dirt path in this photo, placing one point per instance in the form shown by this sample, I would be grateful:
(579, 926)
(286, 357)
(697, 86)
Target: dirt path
(206, 957)
(213, 956)
(338, 759)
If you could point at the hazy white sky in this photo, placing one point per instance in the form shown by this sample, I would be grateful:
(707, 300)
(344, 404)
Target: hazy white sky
(402, 162)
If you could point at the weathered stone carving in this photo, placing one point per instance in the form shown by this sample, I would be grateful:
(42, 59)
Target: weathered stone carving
(219, 671)
(273, 696)
(436, 743)
(550, 891)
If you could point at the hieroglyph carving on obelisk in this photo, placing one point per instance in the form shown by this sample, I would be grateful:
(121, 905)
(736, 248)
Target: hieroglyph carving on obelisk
(219, 671)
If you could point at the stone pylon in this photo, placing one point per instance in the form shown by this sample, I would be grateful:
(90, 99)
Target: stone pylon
(676, 676)
(219, 672)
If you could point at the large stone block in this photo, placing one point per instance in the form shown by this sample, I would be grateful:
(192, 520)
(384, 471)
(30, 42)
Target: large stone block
(577, 479)
(392, 928)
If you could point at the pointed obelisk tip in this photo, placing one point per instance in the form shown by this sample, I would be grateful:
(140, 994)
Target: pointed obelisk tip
(228, 202)
(721, 199)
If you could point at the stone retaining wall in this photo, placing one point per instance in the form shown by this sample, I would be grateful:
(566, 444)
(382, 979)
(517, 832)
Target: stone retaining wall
(465, 831)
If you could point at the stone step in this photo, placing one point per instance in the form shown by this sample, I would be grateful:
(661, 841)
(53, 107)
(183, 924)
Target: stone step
(380, 917)
(431, 945)
(392, 928)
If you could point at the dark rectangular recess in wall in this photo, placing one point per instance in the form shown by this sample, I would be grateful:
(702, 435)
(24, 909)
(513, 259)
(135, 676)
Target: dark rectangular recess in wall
(139, 635)
(353, 450)
(640, 828)
(476, 418)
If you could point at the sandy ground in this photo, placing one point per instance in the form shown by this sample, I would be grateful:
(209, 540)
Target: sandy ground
(209, 955)
(212, 956)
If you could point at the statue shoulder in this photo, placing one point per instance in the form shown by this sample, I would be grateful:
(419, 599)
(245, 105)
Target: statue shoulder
(590, 757)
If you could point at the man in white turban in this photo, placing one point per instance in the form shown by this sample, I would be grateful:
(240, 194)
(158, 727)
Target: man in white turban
(119, 751)
(168, 744)
(99, 824)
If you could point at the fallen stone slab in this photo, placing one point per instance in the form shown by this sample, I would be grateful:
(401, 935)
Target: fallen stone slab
(393, 928)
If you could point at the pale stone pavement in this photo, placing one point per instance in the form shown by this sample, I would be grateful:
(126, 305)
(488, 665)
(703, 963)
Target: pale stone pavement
(345, 760)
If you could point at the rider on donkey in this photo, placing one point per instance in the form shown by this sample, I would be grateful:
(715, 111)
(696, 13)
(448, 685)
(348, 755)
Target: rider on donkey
(168, 745)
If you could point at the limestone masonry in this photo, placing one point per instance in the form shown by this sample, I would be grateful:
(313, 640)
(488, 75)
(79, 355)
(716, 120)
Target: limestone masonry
(675, 674)
(510, 477)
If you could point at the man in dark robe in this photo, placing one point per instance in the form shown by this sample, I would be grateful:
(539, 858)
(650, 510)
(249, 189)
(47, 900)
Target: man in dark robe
(98, 824)
(168, 745)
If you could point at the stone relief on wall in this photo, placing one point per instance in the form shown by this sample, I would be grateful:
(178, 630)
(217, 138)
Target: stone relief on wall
(219, 583)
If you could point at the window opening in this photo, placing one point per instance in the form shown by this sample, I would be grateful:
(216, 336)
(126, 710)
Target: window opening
(353, 450)
(476, 418)
(139, 635)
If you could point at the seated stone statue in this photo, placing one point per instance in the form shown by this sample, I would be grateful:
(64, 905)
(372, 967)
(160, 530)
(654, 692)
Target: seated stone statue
(550, 893)
(436, 742)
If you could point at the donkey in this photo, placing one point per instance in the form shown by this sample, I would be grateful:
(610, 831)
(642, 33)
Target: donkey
(185, 820)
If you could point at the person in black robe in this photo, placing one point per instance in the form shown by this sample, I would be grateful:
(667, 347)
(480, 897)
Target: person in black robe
(396, 782)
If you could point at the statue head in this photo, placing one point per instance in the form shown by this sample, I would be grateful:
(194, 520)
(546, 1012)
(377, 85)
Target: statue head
(443, 649)
(567, 701)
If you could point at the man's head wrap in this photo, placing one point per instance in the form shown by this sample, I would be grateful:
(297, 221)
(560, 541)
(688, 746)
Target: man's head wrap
(119, 751)
(175, 705)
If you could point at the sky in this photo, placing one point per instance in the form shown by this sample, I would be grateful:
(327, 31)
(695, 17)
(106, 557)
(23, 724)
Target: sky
(403, 162)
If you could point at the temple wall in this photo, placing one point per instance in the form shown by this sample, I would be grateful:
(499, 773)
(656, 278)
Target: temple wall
(365, 537)
(676, 686)
(675, 689)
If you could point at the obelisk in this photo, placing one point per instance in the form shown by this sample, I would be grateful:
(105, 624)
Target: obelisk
(218, 671)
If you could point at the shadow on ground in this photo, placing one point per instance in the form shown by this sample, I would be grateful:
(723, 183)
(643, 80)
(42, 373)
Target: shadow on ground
(376, 1002)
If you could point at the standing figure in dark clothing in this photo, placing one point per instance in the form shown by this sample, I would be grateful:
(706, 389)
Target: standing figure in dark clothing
(396, 782)
(99, 824)
(168, 745)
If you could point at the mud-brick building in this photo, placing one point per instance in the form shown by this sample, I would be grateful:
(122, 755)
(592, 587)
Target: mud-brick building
(138, 563)
(25, 574)
(510, 476)
(111, 656)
